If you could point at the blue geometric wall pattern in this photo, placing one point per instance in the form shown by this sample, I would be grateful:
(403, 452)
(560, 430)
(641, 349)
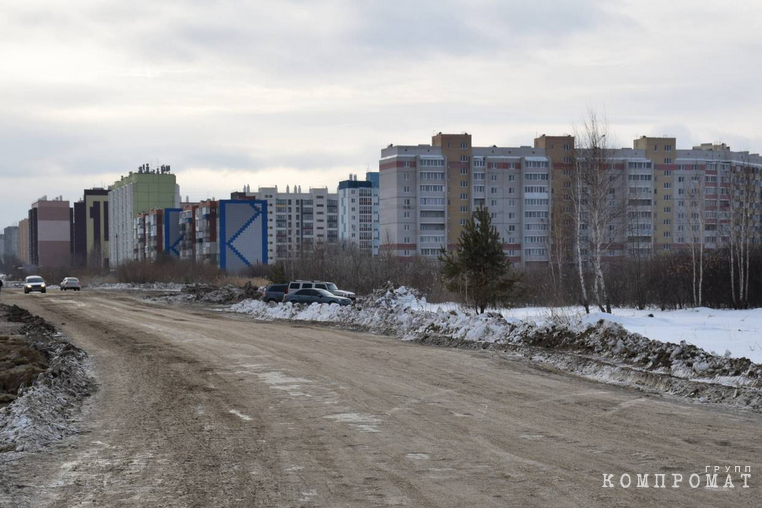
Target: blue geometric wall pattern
(243, 233)
(172, 235)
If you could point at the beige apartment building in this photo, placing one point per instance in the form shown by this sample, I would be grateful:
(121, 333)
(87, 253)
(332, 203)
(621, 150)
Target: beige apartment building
(428, 192)
(669, 198)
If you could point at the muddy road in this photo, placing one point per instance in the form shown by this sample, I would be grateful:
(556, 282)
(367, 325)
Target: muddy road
(200, 408)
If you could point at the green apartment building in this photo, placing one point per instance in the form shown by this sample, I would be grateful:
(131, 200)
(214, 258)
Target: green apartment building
(133, 194)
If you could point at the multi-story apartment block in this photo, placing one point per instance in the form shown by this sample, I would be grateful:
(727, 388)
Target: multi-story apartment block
(671, 198)
(428, 192)
(23, 253)
(154, 222)
(358, 212)
(207, 248)
(11, 241)
(132, 195)
(296, 220)
(140, 238)
(187, 246)
(91, 234)
(50, 233)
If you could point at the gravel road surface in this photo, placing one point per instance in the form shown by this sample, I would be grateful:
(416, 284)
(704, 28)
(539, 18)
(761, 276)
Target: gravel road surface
(201, 408)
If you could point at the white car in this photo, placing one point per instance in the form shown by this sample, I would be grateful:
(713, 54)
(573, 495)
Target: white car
(34, 283)
(70, 283)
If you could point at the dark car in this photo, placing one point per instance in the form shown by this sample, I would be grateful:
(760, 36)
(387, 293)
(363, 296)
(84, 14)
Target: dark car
(315, 296)
(274, 292)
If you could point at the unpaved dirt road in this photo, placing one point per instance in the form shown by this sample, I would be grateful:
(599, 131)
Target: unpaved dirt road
(198, 408)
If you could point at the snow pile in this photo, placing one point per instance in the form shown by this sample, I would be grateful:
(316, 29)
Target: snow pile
(401, 312)
(736, 333)
(43, 412)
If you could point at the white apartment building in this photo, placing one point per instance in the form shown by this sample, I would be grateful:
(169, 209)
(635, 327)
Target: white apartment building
(358, 212)
(296, 220)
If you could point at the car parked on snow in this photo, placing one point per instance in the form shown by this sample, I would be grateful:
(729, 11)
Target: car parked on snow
(318, 284)
(34, 283)
(274, 292)
(70, 283)
(315, 296)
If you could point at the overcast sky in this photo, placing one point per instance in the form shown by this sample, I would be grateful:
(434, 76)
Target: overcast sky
(306, 91)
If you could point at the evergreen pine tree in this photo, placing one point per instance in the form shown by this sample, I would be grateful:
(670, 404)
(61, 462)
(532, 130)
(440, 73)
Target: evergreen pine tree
(479, 267)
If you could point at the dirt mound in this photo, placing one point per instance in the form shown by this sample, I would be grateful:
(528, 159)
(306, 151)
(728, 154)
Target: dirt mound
(43, 380)
(213, 294)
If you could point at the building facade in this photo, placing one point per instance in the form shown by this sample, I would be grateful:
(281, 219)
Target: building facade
(206, 226)
(11, 241)
(428, 192)
(23, 254)
(187, 246)
(132, 195)
(296, 220)
(358, 212)
(50, 228)
(91, 230)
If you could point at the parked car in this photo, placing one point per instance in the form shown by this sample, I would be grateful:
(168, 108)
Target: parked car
(317, 284)
(331, 287)
(70, 283)
(315, 296)
(274, 292)
(34, 283)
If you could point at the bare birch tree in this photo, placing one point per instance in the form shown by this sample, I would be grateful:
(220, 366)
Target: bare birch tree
(744, 200)
(692, 212)
(600, 204)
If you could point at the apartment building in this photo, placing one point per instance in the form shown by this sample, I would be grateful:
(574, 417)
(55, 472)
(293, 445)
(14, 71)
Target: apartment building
(358, 212)
(134, 194)
(11, 241)
(139, 236)
(90, 241)
(296, 220)
(50, 231)
(154, 234)
(428, 192)
(206, 226)
(23, 252)
(187, 246)
(671, 198)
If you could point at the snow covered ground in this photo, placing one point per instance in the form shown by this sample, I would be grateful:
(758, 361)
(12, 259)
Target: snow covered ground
(736, 333)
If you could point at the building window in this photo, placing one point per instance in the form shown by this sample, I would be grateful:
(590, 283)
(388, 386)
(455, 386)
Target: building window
(464, 196)
(463, 171)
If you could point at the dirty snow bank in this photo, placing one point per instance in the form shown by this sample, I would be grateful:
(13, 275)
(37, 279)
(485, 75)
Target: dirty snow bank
(401, 312)
(131, 286)
(44, 410)
(208, 293)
